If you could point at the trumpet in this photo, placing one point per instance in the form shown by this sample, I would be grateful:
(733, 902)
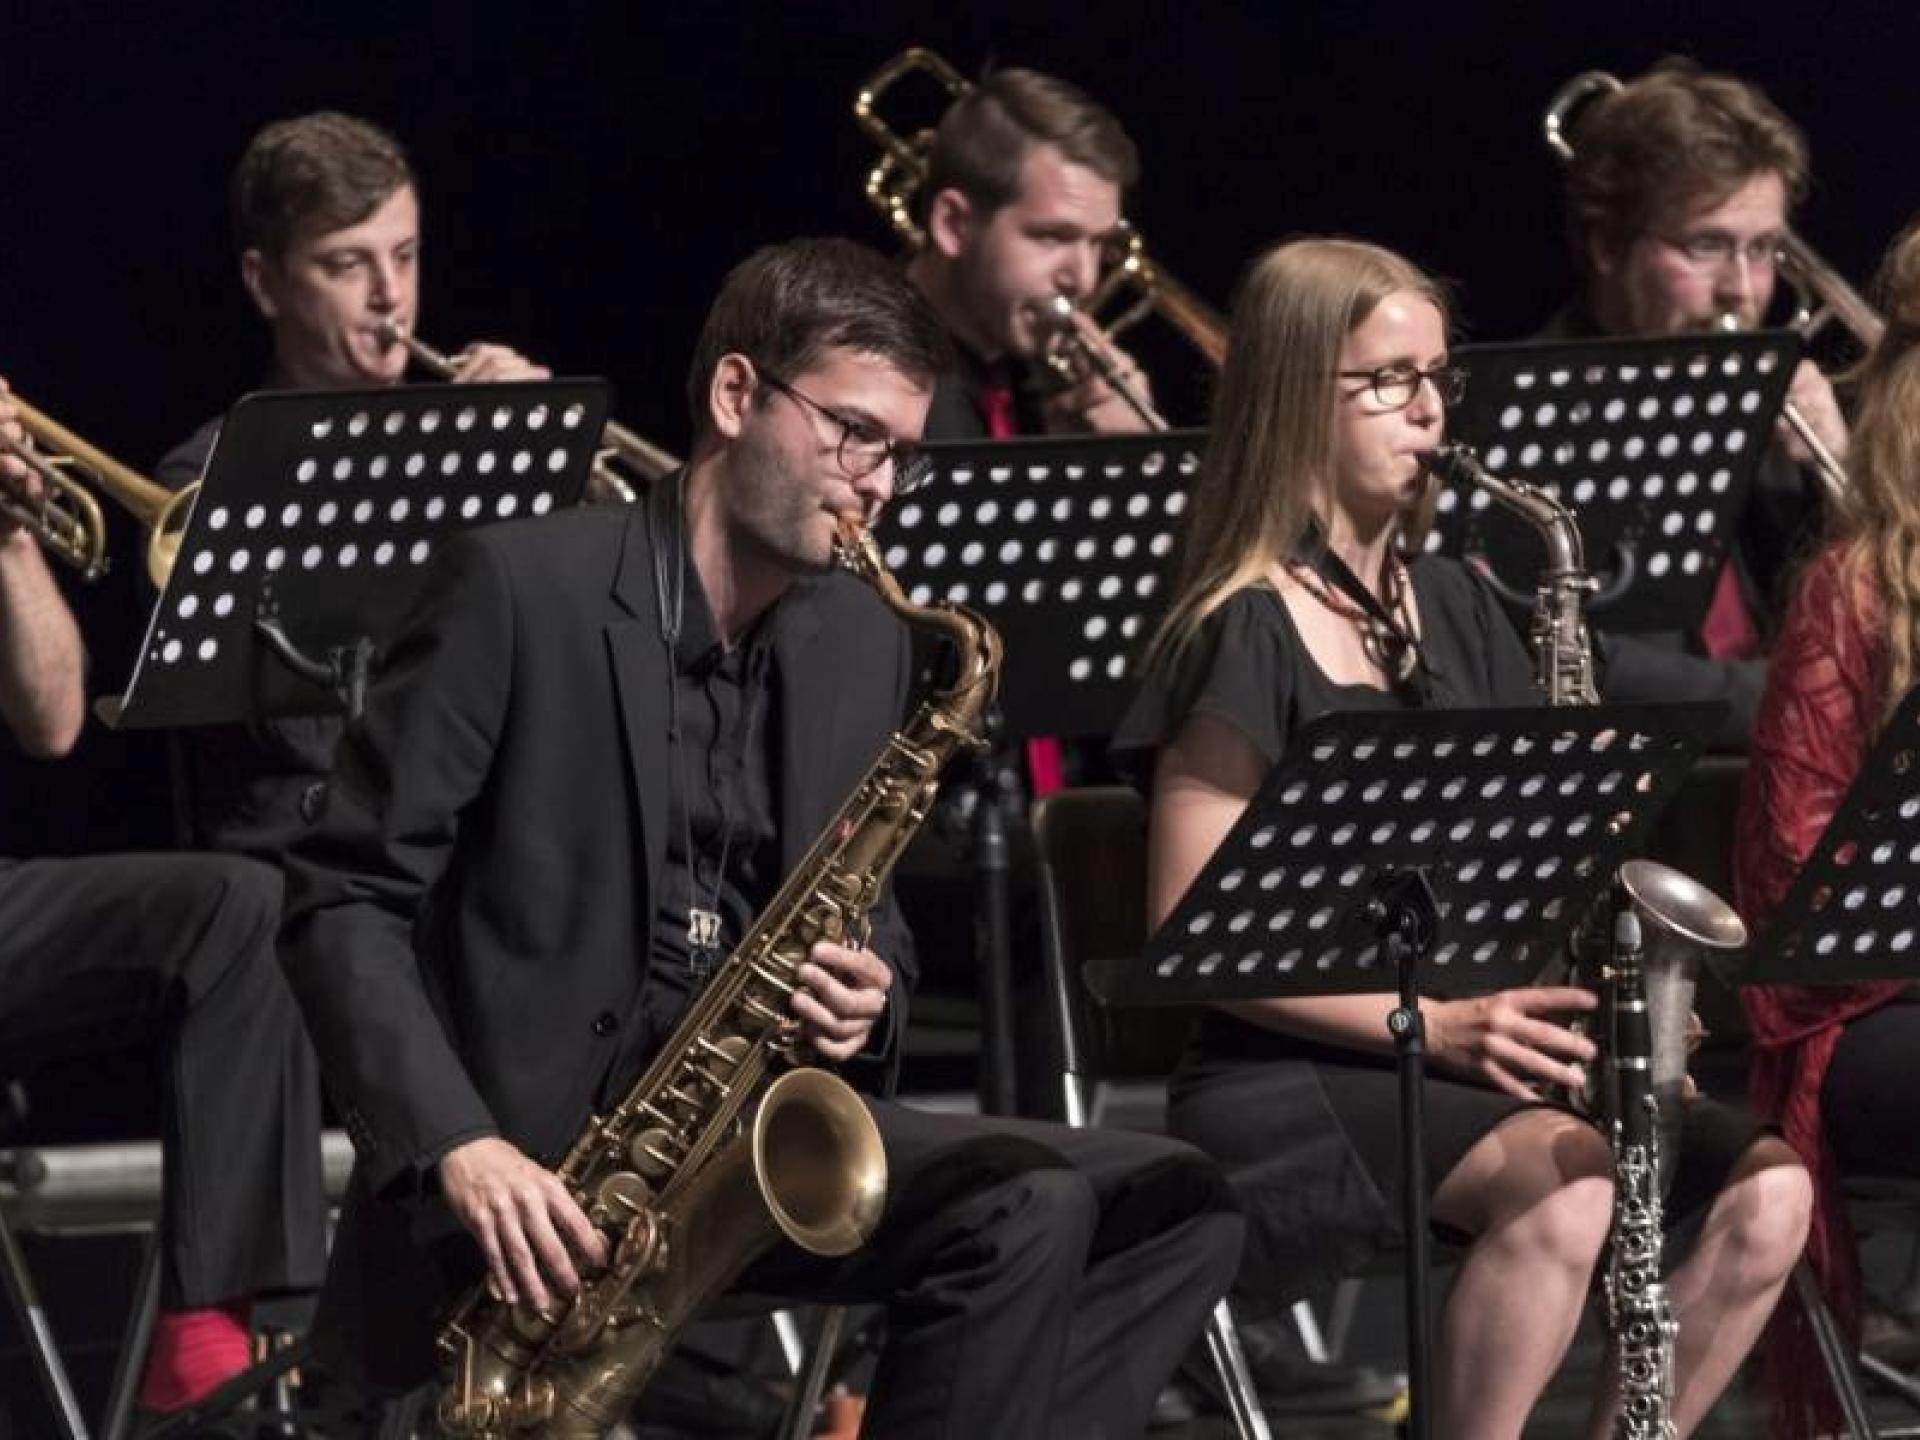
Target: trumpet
(620, 448)
(1133, 282)
(66, 518)
(1821, 294)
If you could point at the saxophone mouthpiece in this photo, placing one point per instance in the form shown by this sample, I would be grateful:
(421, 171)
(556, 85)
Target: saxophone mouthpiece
(1450, 463)
(851, 541)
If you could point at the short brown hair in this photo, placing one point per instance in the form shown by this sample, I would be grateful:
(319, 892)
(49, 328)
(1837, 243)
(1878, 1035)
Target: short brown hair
(985, 136)
(326, 168)
(1675, 133)
(785, 305)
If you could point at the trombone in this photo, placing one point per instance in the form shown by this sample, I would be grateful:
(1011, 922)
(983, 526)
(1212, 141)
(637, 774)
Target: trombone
(1064, 342)
(619, 446)
(66, 518)
(1133, 281)
(1821, 294)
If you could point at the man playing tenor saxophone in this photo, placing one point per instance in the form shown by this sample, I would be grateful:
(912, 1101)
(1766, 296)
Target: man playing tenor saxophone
(601, 741)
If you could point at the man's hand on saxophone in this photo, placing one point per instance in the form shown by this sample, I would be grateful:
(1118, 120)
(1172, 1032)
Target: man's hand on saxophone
(843, 993)
(528, 1226)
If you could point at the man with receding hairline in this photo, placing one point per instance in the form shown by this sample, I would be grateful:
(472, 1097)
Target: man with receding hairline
(1021, 203)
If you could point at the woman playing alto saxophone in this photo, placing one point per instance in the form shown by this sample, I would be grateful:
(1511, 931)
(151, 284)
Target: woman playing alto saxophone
(1295, 599)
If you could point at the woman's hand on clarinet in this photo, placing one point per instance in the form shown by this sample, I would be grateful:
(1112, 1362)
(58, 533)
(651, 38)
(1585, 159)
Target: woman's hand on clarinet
(1506, 1039)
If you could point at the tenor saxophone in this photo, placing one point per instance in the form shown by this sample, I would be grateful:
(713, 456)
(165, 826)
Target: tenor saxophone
(708, 1159)
(1639, 1311)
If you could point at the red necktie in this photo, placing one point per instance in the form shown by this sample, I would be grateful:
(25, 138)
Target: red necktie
(995, 398)
(995, 395)
(1728, 632)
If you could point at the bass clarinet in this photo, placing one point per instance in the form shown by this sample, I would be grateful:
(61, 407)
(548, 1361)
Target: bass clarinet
(1639, 1312)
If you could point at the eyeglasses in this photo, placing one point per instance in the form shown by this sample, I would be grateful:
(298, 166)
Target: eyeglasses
(862, 449)
(1712, 249)
(1394, 386)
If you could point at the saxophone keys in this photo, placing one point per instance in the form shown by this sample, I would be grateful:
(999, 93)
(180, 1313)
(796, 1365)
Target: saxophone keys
(651, 1156)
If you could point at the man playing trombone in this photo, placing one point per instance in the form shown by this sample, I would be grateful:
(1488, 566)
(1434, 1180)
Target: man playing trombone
(178, 946)
(326, 221)
(1021, 204)
(1677, 192)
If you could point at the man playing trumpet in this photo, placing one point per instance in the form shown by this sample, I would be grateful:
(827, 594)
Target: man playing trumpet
(326, 219)
(178, 947)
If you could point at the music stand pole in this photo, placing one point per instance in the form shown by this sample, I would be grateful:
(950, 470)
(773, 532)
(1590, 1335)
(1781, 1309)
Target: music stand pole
(993, 925)
(1406, 916)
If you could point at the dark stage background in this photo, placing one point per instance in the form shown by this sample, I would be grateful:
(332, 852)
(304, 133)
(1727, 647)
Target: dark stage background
(589, 172)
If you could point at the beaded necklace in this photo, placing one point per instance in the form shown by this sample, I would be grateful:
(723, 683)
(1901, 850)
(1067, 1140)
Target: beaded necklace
(1385, 625)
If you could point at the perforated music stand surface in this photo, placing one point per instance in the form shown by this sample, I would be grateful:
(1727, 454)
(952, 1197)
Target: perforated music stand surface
(321, 508)
(1853, 912)
(1654, 443)
(1064, 544)
(1438, 851)
(1517, 817)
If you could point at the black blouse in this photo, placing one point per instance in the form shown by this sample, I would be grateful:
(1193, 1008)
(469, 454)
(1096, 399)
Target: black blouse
(1248, 666)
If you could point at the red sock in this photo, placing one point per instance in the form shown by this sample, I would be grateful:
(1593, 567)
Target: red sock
(194, 1353)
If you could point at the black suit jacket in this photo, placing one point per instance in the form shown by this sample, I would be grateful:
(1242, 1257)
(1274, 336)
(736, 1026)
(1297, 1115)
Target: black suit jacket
(468, 924)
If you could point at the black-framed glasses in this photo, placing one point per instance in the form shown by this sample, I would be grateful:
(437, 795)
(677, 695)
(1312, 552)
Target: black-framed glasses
(862, 448)
(1394, 386)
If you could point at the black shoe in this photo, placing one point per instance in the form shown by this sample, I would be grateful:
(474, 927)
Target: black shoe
(1290, 1384)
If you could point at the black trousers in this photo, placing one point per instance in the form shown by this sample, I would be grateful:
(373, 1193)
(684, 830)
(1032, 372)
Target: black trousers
(97, 953)
(1038, 1281)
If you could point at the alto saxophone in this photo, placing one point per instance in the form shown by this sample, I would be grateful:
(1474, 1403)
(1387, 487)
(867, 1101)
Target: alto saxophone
(1639, 1313)
(686, 1185)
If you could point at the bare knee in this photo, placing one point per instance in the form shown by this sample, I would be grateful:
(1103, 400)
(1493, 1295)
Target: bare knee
(1768, 1206)
(1545, 1190)
(1566, 1227)
(1534, 1157)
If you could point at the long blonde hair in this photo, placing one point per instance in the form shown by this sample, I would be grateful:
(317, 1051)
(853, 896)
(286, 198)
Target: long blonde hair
(1879, 518)
(1273, 433)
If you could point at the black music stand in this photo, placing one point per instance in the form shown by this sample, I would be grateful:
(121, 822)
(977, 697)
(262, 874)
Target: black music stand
(1446, 852)
(316, 516)
(1654, 443)
(1063, 543)
(1853, 912)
